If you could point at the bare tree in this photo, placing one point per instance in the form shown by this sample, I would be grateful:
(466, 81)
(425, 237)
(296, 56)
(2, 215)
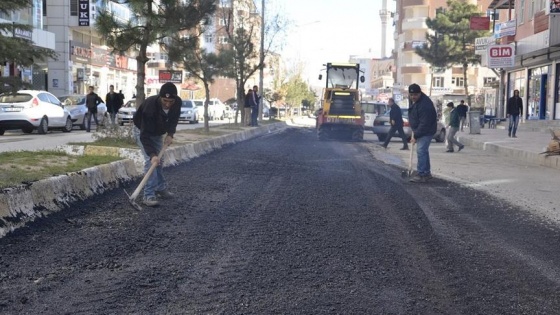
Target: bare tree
(153, 22)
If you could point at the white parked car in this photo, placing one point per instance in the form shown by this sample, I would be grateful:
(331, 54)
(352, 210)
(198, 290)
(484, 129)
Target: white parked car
(30, 109)
(76, 105)
(189, 112)
(126, 112)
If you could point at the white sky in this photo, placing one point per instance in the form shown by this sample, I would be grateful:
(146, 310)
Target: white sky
(324, 31)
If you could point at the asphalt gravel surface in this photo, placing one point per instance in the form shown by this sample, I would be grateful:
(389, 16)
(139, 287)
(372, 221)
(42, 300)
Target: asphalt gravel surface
(286, 224)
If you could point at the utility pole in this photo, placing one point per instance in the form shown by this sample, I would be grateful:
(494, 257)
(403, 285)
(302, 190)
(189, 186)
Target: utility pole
(261, 62)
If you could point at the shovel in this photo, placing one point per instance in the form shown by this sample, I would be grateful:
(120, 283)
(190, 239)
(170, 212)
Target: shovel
(132, 198)
(409, 172)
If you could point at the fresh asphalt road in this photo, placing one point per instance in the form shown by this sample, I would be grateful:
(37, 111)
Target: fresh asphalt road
(15, 140)
(287, 224)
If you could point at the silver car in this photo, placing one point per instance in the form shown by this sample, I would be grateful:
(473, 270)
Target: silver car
(76, 104)
(126, 112)
(382, 124)
(30, 109)
(189, 112)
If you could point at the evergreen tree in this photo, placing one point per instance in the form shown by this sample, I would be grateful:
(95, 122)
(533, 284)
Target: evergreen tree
(205, 66)
(154, 21)
(451, 41)
(17, 50)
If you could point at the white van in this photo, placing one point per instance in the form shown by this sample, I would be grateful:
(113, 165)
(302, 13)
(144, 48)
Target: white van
(371, 110)
(216, 109)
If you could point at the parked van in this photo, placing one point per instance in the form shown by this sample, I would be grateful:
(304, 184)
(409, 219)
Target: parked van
(216, 109)
(371, 110)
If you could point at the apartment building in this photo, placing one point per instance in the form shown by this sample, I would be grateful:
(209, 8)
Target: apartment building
(36, 75)
(410, 32)
(536, 73)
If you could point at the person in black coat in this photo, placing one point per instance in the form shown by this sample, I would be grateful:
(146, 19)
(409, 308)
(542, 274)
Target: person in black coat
(395, 117)
(514, 109)
(92, 100)
(422, 116)
(155, 124)
(114, 102)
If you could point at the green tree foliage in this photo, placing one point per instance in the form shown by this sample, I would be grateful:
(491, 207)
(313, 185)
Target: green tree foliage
(450, 40)
(205, 66)
(16, 49)
(155, 21)
(297, 92)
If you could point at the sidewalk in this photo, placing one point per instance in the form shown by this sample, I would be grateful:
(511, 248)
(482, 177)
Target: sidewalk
(525, 148)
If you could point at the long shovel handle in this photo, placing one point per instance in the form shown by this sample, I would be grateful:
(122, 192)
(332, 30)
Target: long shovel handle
(147, 176)
(411, 155)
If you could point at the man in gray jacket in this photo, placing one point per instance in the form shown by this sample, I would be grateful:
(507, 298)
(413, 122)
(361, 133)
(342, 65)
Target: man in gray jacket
(423, 122)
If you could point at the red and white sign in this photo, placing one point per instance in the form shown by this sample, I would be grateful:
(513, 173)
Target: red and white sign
(501, 56)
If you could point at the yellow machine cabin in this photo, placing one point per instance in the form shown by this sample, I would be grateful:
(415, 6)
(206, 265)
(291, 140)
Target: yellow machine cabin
(341, 115)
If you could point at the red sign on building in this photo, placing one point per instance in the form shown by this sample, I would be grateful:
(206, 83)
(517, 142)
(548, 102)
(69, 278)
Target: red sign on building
(480, 23)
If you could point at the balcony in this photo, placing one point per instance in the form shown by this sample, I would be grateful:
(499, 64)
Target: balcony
(408, 3)
(414, 24)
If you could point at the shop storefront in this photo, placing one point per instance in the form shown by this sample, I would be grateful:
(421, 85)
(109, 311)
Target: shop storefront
(537, 92)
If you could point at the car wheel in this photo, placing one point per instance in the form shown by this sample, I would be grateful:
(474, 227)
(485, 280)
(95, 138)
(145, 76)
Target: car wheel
(27, 129)
(381, 137)
(68, 126)
(43, 126)
(1, 132)
(441, 136)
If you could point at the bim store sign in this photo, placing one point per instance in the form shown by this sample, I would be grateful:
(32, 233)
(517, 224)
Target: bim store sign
(501, 56)
(170, 76)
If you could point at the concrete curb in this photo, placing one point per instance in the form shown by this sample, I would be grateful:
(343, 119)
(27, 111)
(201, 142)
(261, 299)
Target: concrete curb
(532, 158)
(24, 203)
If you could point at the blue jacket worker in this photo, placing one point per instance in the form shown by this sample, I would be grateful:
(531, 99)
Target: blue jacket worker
(422, 116)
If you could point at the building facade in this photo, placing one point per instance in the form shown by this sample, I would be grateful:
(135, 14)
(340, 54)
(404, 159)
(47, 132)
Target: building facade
(410, 32)
(36, 75)
(84, 59)
(536, 72)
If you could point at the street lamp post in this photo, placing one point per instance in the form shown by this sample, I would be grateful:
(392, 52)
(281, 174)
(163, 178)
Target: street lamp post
(261, 61)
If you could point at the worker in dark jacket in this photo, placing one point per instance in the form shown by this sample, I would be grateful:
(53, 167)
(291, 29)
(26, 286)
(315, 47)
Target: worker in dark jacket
(453, 127)
(514, 109)
(422, 116)
(395, 117)
(92, 100)
(157, 117)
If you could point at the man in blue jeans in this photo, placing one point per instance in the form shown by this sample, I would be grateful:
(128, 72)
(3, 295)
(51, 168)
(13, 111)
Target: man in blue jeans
(422, 117)
(157, 116)
(514, 108)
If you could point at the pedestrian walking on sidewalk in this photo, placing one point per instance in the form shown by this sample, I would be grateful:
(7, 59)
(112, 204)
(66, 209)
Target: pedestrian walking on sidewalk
(462, 109)
(157, 117)
(114, 102)
(423, 118)
(255, 106)
(247, 107)
(92, 100)
(514, 109)
(395, 117)
(452, 128)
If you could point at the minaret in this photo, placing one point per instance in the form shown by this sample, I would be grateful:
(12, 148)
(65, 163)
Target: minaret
(384, 14)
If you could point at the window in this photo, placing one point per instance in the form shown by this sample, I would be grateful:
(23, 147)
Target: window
(223, 40)
(437, 82)
(74, 7)
(521, 14)
(222, 21)
(458, 81)
(208, 38)
(488, 80)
